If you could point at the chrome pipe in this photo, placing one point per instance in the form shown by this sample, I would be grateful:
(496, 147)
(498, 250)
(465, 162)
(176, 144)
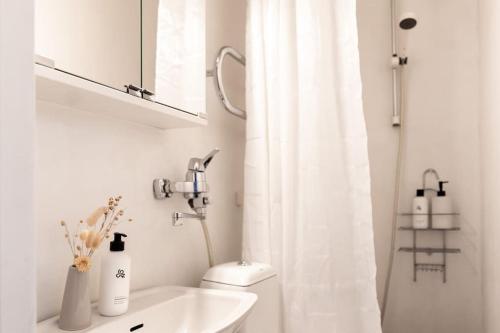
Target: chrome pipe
(219, 85)
(396, 120)
(177, 218)
(393, 28)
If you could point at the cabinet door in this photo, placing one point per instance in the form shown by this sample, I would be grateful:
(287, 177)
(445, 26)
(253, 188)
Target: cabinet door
(97, 40)
(174, 52)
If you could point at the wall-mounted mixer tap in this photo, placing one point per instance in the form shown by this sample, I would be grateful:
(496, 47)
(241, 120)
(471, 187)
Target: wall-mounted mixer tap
(194, 188)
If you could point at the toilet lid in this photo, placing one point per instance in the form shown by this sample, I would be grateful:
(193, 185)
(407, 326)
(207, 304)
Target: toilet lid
(236, 274)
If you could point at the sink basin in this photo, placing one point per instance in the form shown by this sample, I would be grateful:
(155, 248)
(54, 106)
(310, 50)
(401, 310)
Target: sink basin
(173, 309)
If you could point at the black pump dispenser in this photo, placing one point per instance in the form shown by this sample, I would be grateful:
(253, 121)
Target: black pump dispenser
(442, 192)
(420, 192)
(117, 245)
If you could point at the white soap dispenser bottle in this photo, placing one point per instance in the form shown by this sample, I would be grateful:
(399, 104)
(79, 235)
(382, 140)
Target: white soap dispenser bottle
(442, 209)
(420, 211)
(115, 279)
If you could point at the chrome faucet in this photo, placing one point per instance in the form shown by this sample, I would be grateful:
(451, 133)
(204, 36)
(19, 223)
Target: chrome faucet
(194, 188)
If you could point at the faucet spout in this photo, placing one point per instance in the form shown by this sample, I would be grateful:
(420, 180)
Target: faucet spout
(177, 218)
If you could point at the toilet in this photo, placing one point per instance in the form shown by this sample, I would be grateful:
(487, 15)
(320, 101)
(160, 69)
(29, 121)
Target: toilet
(257, 278)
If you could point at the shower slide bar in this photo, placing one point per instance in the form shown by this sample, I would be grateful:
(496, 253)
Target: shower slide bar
(219, 85)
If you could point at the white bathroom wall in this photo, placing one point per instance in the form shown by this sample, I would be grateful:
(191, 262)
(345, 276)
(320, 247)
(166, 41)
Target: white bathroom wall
(489, 18)
(442, 133)
(84, 158)
(17, 131)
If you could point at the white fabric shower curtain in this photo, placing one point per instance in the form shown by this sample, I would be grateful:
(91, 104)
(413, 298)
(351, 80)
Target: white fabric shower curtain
(307, 205)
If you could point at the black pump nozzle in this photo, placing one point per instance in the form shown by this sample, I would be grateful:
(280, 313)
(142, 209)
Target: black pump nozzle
(442, 192)
(117, 245)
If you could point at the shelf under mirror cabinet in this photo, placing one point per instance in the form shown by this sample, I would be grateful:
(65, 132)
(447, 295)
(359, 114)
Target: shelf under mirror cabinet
(66, 89)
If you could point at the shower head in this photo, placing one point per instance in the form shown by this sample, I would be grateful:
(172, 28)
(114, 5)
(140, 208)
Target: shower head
(407, 21)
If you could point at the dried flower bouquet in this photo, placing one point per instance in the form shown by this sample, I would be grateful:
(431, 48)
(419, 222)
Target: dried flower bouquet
(89, 235)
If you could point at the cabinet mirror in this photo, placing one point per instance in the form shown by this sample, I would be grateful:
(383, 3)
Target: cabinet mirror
(94, 39)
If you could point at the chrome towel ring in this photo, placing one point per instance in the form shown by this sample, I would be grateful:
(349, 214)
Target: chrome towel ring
(219, 86)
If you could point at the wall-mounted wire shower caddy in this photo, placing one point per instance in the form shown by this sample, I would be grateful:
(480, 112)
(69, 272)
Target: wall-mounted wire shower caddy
(416, 248)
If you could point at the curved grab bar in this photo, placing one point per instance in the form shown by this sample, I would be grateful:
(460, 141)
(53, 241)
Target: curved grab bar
(219, 86)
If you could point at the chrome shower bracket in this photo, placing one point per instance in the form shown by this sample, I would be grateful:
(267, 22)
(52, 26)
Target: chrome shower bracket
(398, 61)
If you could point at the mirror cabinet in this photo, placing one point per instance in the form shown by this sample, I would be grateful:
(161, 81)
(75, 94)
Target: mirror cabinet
(157, 46)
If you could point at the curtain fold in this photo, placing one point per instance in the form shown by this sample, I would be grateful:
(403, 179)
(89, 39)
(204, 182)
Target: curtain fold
(307, 184)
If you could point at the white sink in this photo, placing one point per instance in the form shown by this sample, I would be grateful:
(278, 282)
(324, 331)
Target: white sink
(173, 310)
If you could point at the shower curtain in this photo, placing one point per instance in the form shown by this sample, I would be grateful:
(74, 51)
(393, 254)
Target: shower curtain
(307, 208)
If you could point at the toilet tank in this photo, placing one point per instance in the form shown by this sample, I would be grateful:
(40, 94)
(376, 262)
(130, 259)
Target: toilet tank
(256, 278)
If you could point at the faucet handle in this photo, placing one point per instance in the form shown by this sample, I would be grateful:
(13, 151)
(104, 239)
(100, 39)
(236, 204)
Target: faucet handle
(207, 159)
(200, 164)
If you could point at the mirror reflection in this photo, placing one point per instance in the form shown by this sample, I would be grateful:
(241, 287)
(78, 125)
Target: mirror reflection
(173, 65)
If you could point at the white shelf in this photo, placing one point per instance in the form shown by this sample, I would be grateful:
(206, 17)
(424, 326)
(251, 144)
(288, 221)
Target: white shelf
(65, 89)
